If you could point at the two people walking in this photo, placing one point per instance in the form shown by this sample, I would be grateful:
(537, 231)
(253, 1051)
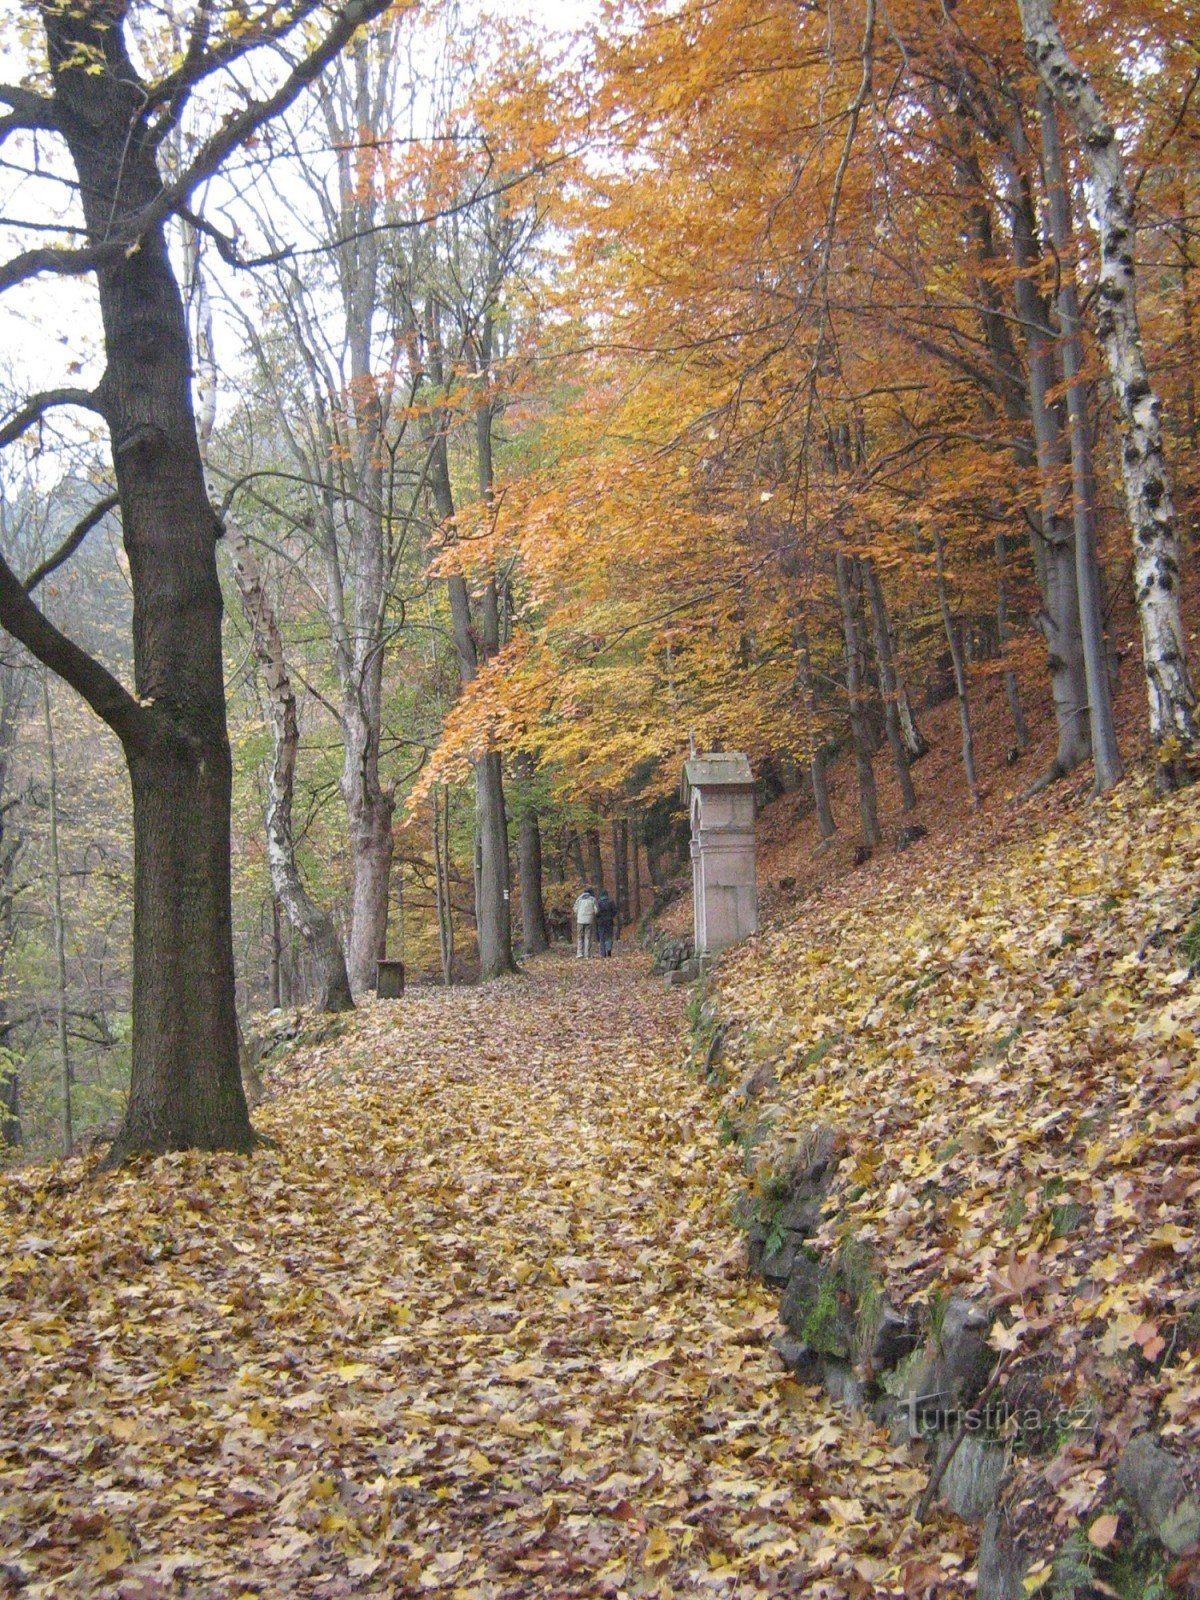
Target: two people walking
(595, 920)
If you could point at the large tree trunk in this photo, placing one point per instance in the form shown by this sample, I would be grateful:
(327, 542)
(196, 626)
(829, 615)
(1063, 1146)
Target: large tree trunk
(595, 861)
(620, 839)
(960, 672)
(1054, 539)
(816, 763)
(60, 944)
(1148, 499)
(311, 921)
(635, 870)
(186, 1086)
(1105, 755)
(494, 923)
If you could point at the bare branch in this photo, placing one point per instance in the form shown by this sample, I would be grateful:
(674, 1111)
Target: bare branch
(26, 111)
(209, 158)
(107, 696)
(37, 405)
(72, 542)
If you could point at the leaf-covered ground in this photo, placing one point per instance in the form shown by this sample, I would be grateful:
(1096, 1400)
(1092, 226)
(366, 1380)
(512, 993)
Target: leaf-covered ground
(1004, 1036)
(478, 1327)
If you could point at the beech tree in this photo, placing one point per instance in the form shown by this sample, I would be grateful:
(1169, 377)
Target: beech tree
(111, 119)
(1148, 500)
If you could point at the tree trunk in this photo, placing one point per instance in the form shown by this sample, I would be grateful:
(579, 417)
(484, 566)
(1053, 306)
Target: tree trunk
(960, 671)
(60, 941)
(848, 597)
(275, 976)
(1054, 539)
(369, 813)
(887, 682)
(816, 764)
(635, 865)
(595, 861)
(494, 923)
(529, 854)
(311, 922)
(1148, 501)
(441, 867)
(186, 1086)
(1011, 689)
(620, 848)
(1105, 755)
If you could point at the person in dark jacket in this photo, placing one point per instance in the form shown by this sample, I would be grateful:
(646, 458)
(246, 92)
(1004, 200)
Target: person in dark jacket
(606, 922)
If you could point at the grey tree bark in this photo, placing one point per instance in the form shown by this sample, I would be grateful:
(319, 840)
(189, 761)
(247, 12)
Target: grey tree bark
(1149, 505)
(816, 761)
(311, 921)
(535, 938)
(60, 939)
(960, 671)
(1105, 755)
(1053, 532)
(887, 681)
(849, 598)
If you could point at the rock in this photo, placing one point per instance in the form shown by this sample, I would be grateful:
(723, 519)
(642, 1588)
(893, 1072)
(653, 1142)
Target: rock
(1001, 1564)
(812, 1159)
(814, 1308)
(688, 972)
(1150, 1480)
(778, 1257)
(797, 1357)
(909, 836)
(800, 1294)
(894, 1337)
(953, 1369)
(800, 1215)
(971, 1482)
(671, 954)
(841, 1385)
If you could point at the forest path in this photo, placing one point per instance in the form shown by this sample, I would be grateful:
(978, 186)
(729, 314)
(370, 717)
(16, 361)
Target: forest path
(478, 1327)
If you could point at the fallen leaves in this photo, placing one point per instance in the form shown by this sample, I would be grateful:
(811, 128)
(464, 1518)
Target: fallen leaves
(477, 1327)
(1005, 1044)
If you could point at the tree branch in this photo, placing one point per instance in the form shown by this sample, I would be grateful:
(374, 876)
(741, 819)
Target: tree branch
(26, 111)
(208, 160)
(226, 248)
(72, 542)
(107, 696)
(37, 405)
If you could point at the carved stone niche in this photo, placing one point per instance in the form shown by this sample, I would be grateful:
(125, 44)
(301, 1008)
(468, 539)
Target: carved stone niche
(719, 792)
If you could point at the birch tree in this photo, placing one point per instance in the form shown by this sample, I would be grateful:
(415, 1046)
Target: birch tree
(1148, 501)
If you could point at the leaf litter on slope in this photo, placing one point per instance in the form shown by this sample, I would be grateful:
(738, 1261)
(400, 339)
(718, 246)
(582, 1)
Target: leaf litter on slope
(477, 1327)
(1005, 1039)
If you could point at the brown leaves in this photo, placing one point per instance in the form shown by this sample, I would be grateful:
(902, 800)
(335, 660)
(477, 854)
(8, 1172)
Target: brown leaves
(476, 1328)
(1006, 1044)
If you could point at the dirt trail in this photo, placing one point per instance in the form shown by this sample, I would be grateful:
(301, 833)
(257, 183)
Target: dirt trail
(478, 1327)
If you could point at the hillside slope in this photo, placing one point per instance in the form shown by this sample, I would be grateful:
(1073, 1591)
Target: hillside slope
(998, 1037)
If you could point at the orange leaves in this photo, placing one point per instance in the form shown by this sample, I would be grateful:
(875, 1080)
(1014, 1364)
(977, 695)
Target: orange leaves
(475, 1325)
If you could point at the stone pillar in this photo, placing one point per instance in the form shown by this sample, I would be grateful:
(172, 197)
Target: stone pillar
(719, 790)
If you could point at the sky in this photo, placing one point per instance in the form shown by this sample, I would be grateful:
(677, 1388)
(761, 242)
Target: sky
(50, 327)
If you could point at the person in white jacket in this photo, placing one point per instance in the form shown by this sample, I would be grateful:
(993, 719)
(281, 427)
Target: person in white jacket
(585, 922)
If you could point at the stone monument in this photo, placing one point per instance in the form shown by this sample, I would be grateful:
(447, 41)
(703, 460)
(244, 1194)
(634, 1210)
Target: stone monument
(719, 792)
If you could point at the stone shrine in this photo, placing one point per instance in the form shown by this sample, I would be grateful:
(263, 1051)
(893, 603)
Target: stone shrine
(719, 792)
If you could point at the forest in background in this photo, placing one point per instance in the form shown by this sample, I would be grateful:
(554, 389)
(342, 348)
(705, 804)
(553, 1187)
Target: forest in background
(748, 374)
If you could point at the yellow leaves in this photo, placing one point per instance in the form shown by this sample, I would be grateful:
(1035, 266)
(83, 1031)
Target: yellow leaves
(1103, 1531)
(114, 1553)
